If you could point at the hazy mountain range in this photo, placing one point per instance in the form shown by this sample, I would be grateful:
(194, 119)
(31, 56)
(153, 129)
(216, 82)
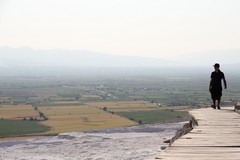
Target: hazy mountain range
(225, 57)
(68, 58)
(19, 61)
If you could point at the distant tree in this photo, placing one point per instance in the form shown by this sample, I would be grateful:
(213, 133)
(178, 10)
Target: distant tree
(105, 109)
(78, 96)
(132, 119)
(103, 98)
(41, 115)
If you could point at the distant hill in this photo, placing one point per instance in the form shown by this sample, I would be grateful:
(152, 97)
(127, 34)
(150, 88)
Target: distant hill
(10, 57)
(27, 61)
(226, 57)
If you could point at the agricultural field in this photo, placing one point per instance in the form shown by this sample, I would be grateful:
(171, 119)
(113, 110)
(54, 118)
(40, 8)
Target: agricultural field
(15, 112)
(61, 117)
(144, 112)
(185, 91)
(86, 103)
(75, 118)
(11, 128)
(156, 116)
(12, 121)
(126, 106)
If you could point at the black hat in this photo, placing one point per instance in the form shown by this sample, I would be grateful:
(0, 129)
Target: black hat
(216, 65)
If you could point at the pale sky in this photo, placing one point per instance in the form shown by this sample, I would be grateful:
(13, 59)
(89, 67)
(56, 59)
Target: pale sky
(150, 28)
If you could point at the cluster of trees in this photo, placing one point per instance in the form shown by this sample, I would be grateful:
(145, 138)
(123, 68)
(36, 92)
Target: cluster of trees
(106, 110)
(139, 121)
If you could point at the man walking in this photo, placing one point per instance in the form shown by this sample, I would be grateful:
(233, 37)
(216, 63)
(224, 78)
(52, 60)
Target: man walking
(215, 86)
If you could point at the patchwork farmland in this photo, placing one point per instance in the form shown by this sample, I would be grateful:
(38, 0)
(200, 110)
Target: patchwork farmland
(77, 103)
